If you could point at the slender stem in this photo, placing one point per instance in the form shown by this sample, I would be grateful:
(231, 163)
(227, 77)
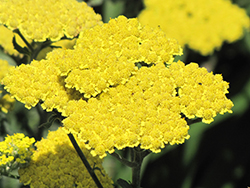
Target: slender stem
(24, 40)
(11, 176)
(136, 171)
(38, 49)
(124, 161)
(193, 121)
(85, 161)
(137, 156)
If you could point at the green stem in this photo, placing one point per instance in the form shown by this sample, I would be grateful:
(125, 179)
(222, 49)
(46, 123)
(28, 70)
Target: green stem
(136, 171)
(123, 161)
(38, 49)
(24, 40)
(85, 161)
(137, 155)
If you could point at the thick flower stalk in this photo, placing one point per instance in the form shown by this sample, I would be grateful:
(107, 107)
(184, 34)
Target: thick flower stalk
(56, 163)
(15, 152)
(120, 88)
(202, 25)
(40, 20)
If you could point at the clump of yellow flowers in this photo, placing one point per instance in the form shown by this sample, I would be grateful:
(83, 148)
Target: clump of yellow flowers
(15, 152)
(6, 101)
(202, 25)
(40, 20)
(120, 87)
(55, 163)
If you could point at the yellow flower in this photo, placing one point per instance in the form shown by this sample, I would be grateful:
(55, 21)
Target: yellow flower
(39, 81)
(114, 97)
(202, 25)
(15, 152)
(128, 38)
(146, 110)
(40, 20)
(88, 70)
(56, 163)
(6, 101)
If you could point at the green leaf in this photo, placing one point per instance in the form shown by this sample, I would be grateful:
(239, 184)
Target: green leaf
(50, 121)
(123, 183)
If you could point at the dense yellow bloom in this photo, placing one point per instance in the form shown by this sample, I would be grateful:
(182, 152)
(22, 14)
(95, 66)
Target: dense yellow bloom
(201, 24)
(120, 88)
(40, 20)
(89, 70)
(6, 101)
(55, 163)
(39, 81)
(128, 38)
(15, 151)
(147, 109)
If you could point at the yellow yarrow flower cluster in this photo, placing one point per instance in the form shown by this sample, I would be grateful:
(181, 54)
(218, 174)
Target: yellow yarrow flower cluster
(55, 163)
(15, 152)
(6, 101)
(114, 97)
(40, 20)
(39, 81)
(201, 24)
(87, 71)
(146, 110)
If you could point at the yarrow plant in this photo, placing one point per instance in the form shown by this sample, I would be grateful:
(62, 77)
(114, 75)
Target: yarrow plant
(45, 22)
(119, 87)
(55, 163)
(15, 152)
(41, 20)
(202, 25)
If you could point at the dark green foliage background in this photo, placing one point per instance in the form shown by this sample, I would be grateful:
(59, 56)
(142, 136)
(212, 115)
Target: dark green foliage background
(216, 155)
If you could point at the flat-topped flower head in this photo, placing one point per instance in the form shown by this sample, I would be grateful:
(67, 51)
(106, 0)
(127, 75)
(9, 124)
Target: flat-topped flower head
(149, 110)
(202, 25)
(119, 87)
(128, 38)
(40, 20)
(39, 81)
(87, 71)
(56, 163)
